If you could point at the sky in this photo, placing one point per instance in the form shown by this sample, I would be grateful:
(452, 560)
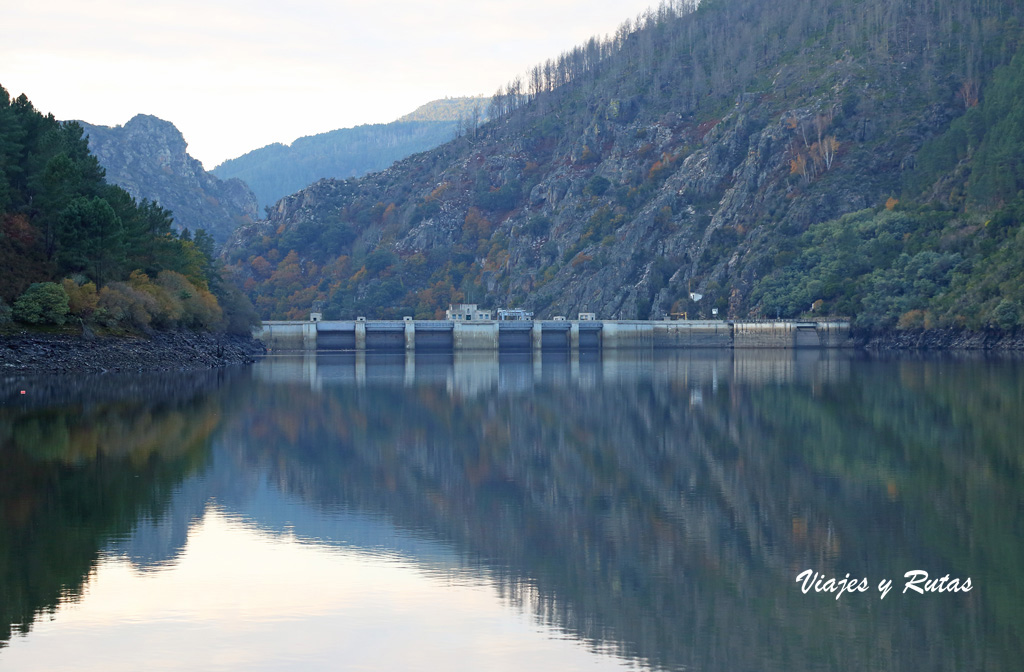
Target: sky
(235, 75)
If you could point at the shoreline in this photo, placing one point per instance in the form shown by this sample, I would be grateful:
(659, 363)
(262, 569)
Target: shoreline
(939, 340)
(31, 353)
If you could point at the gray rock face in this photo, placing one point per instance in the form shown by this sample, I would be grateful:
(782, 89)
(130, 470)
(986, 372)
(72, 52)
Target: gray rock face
(711, 202)
(147, 157)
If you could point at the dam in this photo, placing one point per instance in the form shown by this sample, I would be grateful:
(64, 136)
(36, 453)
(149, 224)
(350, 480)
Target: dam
(548, 335)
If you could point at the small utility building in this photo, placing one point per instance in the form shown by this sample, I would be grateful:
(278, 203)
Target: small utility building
(466, 312)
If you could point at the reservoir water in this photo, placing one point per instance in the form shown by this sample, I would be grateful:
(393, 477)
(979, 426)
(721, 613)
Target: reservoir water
(571, 512)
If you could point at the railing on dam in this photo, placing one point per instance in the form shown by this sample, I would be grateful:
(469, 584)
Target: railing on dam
(550, 335)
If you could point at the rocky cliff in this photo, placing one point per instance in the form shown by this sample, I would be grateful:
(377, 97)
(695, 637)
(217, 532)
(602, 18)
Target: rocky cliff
(147, 157)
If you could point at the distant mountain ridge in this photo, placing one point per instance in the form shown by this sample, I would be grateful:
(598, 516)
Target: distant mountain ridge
(148, 158)
(450, 109)
(278, 170)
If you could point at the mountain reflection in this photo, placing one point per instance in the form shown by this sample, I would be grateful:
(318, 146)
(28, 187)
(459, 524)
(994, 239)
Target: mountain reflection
(659, 506)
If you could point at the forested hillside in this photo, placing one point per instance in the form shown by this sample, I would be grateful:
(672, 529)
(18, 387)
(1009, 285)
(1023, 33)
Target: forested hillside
(782, 159)
(75, 248)
(277, 170)
(953, 255)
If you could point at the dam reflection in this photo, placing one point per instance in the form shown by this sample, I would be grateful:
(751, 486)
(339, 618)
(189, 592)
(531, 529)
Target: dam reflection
(473, 372)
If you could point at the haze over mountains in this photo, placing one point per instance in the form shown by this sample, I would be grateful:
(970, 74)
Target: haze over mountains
(277, 170)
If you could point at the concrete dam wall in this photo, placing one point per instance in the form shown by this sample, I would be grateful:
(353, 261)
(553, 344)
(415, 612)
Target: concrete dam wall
(549, 335)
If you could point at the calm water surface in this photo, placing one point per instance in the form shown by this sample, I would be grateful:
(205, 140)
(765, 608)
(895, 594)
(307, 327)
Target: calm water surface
(476, 513)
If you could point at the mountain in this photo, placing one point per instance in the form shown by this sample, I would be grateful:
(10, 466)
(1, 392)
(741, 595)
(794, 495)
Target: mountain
(450, 109)
(277, 170)
(147, 157)
(782, 159)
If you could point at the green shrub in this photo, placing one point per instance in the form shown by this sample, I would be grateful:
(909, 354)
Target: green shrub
(1006, 315)
(597, 185)
(239, 317)
(538, 226)
(497, 200)
(42, 303)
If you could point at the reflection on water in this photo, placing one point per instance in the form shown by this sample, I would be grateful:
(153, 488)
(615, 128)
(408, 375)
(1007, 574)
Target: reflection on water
(501, 512)
(470, 372)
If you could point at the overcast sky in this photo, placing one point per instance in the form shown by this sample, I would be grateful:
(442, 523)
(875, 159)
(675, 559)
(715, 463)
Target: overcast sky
(234, 75)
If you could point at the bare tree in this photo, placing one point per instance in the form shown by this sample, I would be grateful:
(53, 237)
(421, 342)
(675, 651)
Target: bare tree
(474, 118)
(829, 146)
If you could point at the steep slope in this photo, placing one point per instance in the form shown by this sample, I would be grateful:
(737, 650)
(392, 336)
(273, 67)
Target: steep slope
(147, 157)
(689, 152)
(277, 170)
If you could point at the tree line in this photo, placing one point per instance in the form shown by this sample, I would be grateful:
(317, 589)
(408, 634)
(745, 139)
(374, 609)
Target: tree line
(704, 52)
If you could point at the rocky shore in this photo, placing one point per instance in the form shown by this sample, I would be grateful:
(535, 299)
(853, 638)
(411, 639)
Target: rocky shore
(942, 339)
(36, 353)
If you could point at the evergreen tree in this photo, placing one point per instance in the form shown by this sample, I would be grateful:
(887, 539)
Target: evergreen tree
(92, 240)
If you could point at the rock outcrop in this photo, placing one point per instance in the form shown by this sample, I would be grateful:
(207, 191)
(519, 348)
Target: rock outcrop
(148, 158)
